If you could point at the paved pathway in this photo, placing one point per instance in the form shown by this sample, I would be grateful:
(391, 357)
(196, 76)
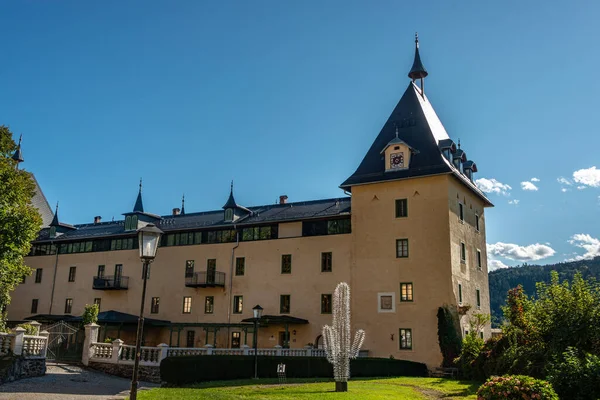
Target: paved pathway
(68, 382)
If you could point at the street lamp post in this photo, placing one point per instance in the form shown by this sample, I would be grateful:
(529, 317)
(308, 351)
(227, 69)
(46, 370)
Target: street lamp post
(149, 237)
(257, 310)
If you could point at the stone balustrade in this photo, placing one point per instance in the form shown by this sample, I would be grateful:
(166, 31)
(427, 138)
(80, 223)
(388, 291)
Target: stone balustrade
(19, 344)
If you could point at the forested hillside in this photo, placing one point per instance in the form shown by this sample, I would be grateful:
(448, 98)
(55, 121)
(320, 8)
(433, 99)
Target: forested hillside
(527, 275)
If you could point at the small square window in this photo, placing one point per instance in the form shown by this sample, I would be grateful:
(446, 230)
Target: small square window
(100, 271)
(401, 248)
(286, 264)
(209, 304)
(284, 304)
(34, 306)
(238, 304)
(68, 306)
(240, 266)
(325, 304)
(326, 262)
(460, 299)
(154, 306)
(187, 304)
(406, 339)
(477, 222)
(478, 295)
(386, 302)
(479, 259)
(461, 212)
(463, 253)
(401, 208)
(481, 334)
(72, 271)
(406, 292)
(38, 275)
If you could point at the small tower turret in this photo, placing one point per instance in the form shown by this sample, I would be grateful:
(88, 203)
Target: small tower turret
(418, 71)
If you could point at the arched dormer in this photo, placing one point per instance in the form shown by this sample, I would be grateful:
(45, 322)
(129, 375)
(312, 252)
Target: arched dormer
(469, 168)
(458, 158)
(448, 148)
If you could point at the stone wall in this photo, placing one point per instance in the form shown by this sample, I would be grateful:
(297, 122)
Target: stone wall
(16, 367)
(148, 374)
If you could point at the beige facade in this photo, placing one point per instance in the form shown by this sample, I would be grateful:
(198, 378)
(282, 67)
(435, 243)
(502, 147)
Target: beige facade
(416, 242)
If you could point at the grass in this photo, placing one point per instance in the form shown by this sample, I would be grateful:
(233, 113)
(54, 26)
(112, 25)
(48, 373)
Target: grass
(375, 388)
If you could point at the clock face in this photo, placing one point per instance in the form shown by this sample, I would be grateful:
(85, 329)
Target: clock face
(397, 160)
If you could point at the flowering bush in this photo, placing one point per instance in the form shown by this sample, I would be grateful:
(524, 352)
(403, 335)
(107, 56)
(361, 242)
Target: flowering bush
(516, 387)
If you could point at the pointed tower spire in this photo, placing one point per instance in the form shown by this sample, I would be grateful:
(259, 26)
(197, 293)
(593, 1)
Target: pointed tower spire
(139, 206)
(18, 156)
(55, 218)
(418, 71)
(183, 204)
(230, 201)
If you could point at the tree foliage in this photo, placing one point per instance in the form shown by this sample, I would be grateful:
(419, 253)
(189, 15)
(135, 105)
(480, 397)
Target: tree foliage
(90, 314)
(528, 276)
(448, 334)
(20, 221)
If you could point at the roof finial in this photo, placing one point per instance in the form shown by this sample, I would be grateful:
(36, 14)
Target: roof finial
(55, 221)
(140, 185)
(231, 190)
(56, 210)
(417, 71)
(459, 143)
(396, 130)
(183, 204)
(139, 205)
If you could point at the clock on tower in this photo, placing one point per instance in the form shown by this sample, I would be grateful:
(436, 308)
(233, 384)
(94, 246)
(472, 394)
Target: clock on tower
(397, 160)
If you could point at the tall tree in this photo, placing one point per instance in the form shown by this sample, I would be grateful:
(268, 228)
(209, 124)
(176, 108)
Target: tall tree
(20, 221)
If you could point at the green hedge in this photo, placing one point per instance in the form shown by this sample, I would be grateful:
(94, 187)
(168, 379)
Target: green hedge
(190, 369)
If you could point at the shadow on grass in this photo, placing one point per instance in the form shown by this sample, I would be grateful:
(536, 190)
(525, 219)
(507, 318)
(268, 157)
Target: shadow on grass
(470, 389)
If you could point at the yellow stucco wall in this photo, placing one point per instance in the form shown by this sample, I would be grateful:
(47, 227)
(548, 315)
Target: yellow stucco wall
(366, 259)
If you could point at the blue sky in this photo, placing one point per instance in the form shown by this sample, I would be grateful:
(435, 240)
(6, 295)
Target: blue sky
(286, 97)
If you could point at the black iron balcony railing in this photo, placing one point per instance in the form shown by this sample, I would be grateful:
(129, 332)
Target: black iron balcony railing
(111, 282)
(205, 279)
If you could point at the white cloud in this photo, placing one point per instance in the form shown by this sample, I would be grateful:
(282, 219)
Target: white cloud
(587, 177)
(512, 251)
(496, 264)
(564, 181)
(492, 186)
(528, 186)
(534, 180)
(563, 190)
(515, 202)
(589, 244)
(581, 187)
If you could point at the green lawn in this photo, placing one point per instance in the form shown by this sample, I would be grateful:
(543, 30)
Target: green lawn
(384, 388)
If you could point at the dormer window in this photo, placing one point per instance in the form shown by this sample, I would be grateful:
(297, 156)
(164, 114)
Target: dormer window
(131, 222)
(229, 214)
(397, 155)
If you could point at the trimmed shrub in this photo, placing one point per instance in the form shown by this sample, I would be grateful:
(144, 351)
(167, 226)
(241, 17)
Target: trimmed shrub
(177, 371)
(516, 387)
(449, 336)
(29, 329)
(576, 375)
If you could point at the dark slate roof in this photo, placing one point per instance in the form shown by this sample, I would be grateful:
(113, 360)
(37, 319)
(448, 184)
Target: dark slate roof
(298, 211)
(278, 320)
(40, 202)
(113, 317)
(418, 125)
(139, 206)
(414, 128)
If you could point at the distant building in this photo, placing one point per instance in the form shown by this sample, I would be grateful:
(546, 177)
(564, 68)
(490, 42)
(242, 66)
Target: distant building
(409, 239)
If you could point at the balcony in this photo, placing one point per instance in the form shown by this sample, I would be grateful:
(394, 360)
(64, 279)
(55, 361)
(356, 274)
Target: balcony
(205, 279)
(111, 282)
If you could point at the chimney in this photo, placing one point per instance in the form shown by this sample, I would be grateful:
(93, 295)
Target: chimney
(176, 211)
(283, 199)
(97, 219)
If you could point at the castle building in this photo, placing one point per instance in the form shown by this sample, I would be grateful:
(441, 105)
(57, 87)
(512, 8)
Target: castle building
(408, 237)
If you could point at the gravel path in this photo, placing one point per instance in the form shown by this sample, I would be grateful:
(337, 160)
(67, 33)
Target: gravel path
(69, 382)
